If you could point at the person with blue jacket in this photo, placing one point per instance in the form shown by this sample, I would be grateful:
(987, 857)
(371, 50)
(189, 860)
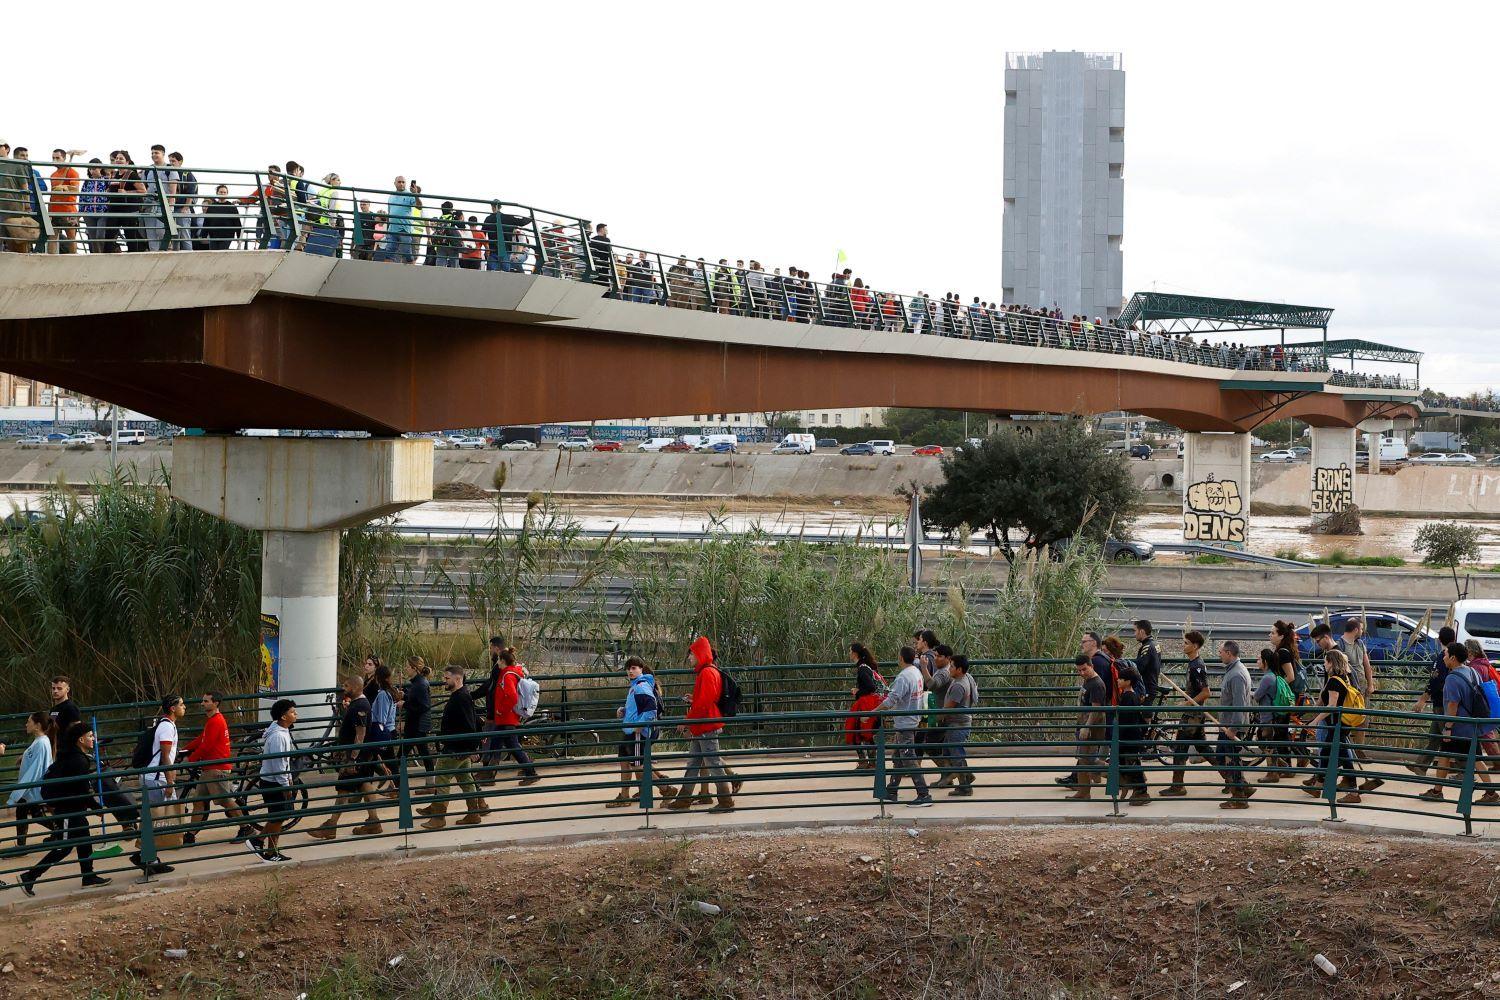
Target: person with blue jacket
(643, 706)
(27, 802)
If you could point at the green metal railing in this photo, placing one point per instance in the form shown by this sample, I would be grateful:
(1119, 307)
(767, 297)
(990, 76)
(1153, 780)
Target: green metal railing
(798, 761)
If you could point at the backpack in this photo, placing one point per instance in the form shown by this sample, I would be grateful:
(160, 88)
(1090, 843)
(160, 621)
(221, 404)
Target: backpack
(528, 693)
(1477, 704)
(1353, 704)
(729, 694)
(1139, 687)
(54, 792)
(145, 746)
(1299, 678)
(1283, 697)
(1111, 682)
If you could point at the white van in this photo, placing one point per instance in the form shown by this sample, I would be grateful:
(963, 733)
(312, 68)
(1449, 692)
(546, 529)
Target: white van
(1476, 619)
(883, 447)
(654, 444)
(1393, 449)
(796, 444)
(123, 436)
(706, 442)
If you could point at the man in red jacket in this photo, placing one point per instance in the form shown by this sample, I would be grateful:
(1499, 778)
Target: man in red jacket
(211, 748)
(704, 724)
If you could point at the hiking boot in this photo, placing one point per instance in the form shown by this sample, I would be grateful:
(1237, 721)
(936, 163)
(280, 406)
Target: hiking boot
(1081, 795)
(1348, 783)
(529, 779)
(724, 805)
(1370, 784)
(1316, 791)
(665, 792)
(1349, 799)
(619, 801)
(1173, 791)
(1235, 802)
(1418, 769)
(1245, 791)
(961, 792)
(680, 803)
(1268, 779)
(435, 823)
(473, 816)
(367, 830)
(1489, 798)
(702, 800)
(1139, 799)
(967, 779)
(1432, 795)
(433, 809)
(323, 832)
(735, 784)
(943, 782)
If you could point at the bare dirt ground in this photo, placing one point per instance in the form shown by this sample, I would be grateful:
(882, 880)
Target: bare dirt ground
(1055, 912)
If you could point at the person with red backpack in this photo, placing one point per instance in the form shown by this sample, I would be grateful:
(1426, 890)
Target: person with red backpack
(506, 721)
(868, 691)
(704, 723)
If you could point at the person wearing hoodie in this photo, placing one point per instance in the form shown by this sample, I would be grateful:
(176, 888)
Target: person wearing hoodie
(503, 715)
(71, 800)
(643, 705)
(703, 726)
(27, 802)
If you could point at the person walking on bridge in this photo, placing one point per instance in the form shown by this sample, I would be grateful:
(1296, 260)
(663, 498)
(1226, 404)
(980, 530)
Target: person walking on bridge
(1234, 725)
(643, 705)
(1190, 735)
(274, 782)
(704, 723)
(905, 697)
(506, 720)
(70, 801)
(868, 692)
(356, 771)
(458, 738)
(1362, 677)
(209, 752)
(1093, 700)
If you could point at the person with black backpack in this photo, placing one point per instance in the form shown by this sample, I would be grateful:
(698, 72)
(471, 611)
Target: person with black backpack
(705, 714)
(70, 797)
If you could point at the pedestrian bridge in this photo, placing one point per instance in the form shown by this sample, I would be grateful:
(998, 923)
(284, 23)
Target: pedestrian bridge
(261, 338)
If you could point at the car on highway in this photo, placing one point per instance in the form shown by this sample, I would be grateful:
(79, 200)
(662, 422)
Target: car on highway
(720, 448)
(575, 444)
(130, 436)
(828, 442)
(1140, 451)
(442, 442)
(1388, 635)
(654, 444)
(1461, 458)
(1281, 455)
(608, 446)
(1302, 452)
(472, 442)
(1121, 550)
(677, 447)
(519, 444)
(862, 448)
(20, 520)
(31, 441)
(928, 449)
(1431, 458)
(883, 447)
(1478, 619)
(85, 438)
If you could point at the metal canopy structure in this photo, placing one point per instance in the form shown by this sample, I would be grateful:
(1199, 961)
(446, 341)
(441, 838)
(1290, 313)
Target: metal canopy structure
(1357, 350)
(1167, 312)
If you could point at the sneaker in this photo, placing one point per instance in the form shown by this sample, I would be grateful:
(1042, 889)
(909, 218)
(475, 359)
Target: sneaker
(618, 802)
(962, 791)
(367, 830)
(889, 795)
(1489, 798)
(1370, 784)
(1432, 795)
(1173, 792)
(27, 883)
(266, 857)
(278, 856)
(1349, 799)
(90, 882)
(1235, 803)
(920, 802)
(256, 845)
(189, 839)
(529, 779)
(1139, 799)
(244, 831)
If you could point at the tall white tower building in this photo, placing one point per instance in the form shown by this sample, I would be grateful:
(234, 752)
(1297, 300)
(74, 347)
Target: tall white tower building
(1064, 185)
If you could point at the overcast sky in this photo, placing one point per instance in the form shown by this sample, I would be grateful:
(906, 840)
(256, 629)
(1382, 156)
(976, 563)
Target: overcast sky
(1325, 154)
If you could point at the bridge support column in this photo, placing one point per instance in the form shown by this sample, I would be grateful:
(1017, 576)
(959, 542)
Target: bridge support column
(1333, 471)
(301, 492)
(1216, 488)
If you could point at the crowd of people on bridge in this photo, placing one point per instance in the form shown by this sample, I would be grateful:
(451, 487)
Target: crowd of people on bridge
(119, 206)
(1280, 717)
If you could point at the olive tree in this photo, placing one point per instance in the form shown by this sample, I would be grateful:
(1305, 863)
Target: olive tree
(1034, 486)
(1444, 543)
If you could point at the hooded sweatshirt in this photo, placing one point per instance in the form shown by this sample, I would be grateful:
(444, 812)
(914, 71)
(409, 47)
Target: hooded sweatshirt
(641, 705)
(706, 689)
(507, 695)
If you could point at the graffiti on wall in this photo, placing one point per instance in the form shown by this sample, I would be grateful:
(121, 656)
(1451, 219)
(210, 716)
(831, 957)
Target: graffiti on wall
(1214, 511)
(1333, 490)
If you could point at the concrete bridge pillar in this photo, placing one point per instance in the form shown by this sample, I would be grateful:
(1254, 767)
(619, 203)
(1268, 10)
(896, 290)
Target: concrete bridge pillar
(300, 493)
(1333, 471)
(1216, 488)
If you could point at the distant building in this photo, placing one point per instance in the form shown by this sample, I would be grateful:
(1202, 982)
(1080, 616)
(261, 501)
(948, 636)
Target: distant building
(1064, 185)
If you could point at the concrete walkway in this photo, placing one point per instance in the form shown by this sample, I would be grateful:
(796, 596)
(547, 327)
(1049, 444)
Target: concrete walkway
(824, 791)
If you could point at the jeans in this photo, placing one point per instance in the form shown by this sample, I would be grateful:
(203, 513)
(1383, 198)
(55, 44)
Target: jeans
(1325, 746)
(74, 827)
(445, 259)
(397, 246)
(507, 740)
(958, 757)
(705, 764)
(1230, 766)
(185, 224)
(1190, 738)
(154, 231)
(905, 760)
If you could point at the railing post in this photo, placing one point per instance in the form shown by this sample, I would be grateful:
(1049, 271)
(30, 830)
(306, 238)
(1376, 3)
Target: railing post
(648, 786)
(356, 225)
(43, 217)
(169, 223)
(666, 287)
(880, 776)
(818, 303)
(1331, 769)
(708, 287)
(1466, 789)
(588, 250)
(567, 736)
(1112, 779)
(541, 252)
(293, 224)
(403, 792)
(267, 223)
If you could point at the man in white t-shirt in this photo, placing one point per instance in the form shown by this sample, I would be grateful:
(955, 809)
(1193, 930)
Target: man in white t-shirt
(159, 784)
